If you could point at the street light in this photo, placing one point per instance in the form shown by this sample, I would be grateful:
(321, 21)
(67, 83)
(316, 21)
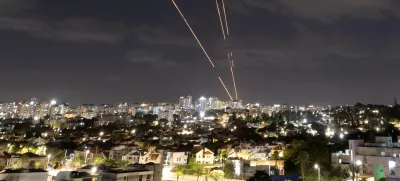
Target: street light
(319, 171)
(101, 133)
(94, 170)
(87, 152)
(358, 162)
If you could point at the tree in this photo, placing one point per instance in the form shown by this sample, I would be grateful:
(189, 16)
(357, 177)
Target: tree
(224, 156)
(275, 156)
(229, 170)
(178, 174)
(77, 161)
(303, 159)
(326, 175)
(260, 175)
(37, 164)
(354, 170)
(23, 161)
(197, 170)
(57, 155)
(217, 175)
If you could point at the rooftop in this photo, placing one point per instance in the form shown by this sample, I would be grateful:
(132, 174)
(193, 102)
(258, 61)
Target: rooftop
(125, 171)
(23, 170)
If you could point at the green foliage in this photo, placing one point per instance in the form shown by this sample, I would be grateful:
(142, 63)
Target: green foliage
(111, 162)
(178, 174)
(37, 164)
(354, 170)
(303, 159)
(57, 155)
(217, 175)
(260, 175)
(229, 169)
(77, 161)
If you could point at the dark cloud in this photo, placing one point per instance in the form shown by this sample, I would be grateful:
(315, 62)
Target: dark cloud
(20, 16)
(330, 9)
(157, 58)
(308, 51)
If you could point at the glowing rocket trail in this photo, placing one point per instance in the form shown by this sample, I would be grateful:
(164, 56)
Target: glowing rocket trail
(226, 19)
(222, 82)
(234, 82)
(194, 35)
(220, 20)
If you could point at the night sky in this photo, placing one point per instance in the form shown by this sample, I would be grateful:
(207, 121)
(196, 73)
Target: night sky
(285, 51)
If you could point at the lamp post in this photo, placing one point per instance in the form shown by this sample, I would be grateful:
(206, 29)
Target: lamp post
(48, 159)
(319, 171)
(86, 153)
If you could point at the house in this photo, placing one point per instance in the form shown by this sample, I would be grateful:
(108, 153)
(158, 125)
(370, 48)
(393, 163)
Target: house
(128, 174)
(24, 174)
(379, 158)
(176, 158)
(152, 157)
(203, 155)
(133, 156)
(26, 160)
(119, 151)
(157, 169)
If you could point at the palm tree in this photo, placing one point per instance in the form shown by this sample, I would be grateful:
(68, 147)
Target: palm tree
(178, 174)
(275, 156)
(326, 175)
(224, 156)
(354, 170)
(77, 160)
(303, 159)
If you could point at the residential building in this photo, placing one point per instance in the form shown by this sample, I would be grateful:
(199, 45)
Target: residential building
(201, 104)
(379, 158)
(203, 155)
(25, 174)
(119, 152)
(186, 102)
(26, 160)
(176, 158)
(126, 175)
(157, 169)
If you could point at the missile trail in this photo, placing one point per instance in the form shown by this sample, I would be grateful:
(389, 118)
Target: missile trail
(234, 82)
(222, 82)
(226, 19)
(191, 30)
(220, 20)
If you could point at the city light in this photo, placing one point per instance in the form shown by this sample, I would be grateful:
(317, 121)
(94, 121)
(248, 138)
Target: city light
(101, 133)
(53, 102)
(94, 170)
(392, 164)
(358, 162)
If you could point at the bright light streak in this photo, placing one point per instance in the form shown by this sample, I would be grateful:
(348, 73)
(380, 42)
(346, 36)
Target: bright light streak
(226, 18)
(191, 30)
(222, 82)
(220, 20)
(234, 82)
